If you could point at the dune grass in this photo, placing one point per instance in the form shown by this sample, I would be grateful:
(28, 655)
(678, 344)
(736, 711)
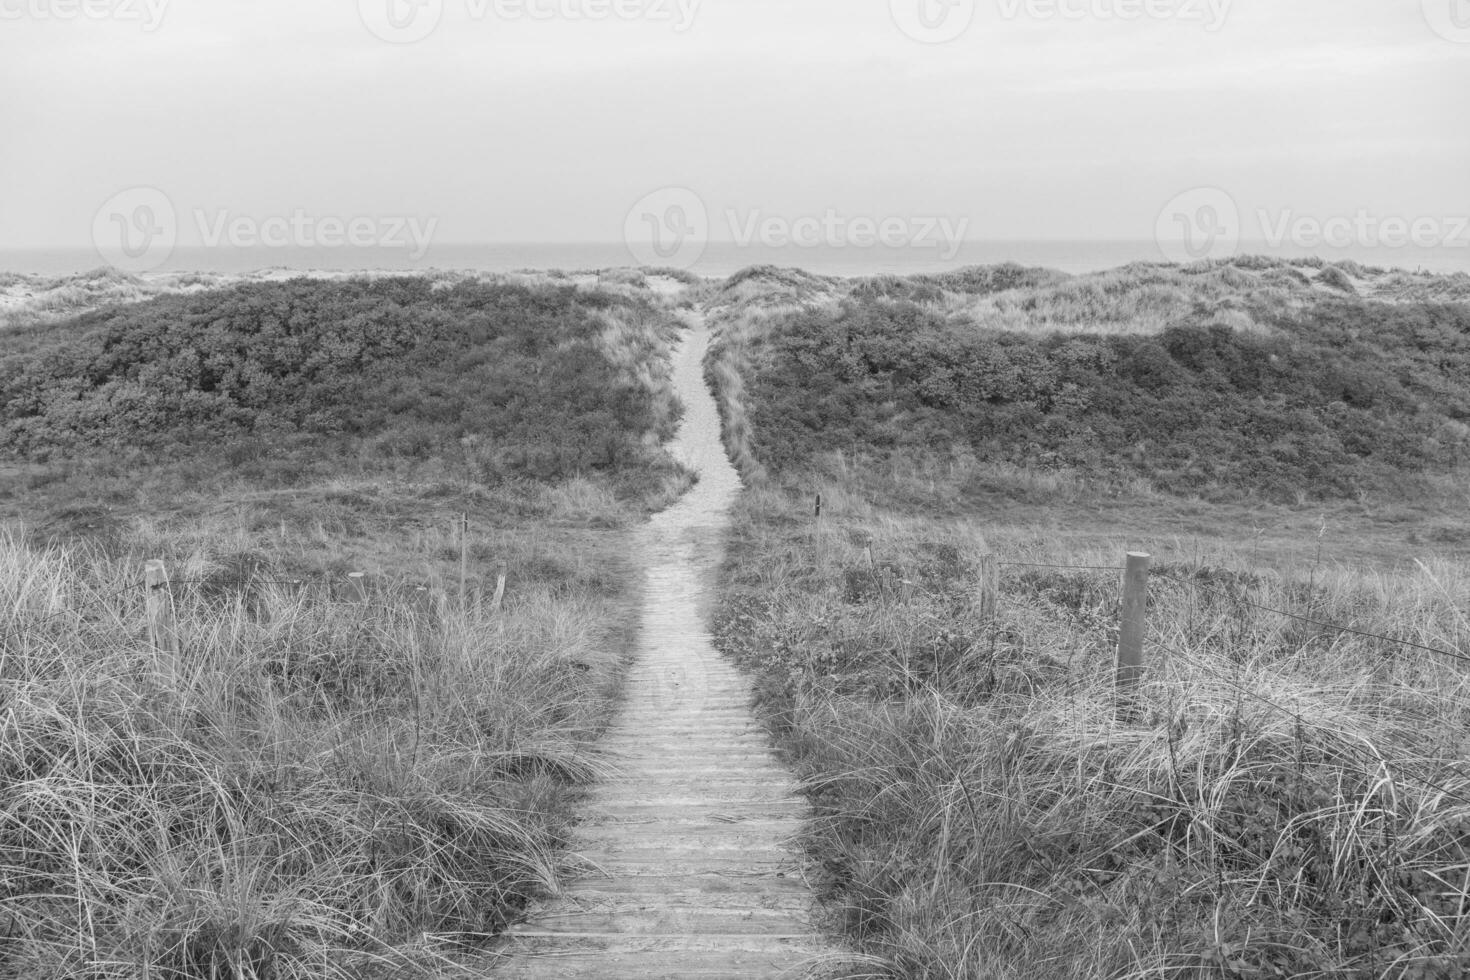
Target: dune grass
(1287, 801)
(1291, 802)
(316, 787)
(1335, 398)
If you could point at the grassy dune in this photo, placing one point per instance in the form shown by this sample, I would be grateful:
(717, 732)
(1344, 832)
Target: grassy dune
(316, 787)
(1331, 398)
(1292, 801)
(319, 787)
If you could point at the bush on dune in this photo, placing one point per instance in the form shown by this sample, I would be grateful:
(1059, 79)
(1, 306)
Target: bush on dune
(407, 367)
(1345, 398)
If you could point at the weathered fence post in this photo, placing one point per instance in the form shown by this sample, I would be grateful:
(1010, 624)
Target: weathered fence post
(162, 629)
(357, 587)
(817, 533)
(1131, 631)
(499, 588)
(464, 562)
(989, 585)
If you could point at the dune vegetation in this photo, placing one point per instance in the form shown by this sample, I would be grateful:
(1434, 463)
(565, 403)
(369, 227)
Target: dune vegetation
(315, 785)
(321, 786)
(1289, 800)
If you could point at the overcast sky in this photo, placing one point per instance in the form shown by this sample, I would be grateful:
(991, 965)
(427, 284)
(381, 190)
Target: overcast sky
(1032, 122)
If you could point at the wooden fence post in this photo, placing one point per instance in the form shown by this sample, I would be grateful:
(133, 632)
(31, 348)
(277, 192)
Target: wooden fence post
(464, 562)
(989, 585)
(1131, 631)
(162, 629)
(499, 588)
(357, 587)
(816, 535)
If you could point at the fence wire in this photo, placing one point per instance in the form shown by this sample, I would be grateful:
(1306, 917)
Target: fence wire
(1083, 568)
(1319, 623)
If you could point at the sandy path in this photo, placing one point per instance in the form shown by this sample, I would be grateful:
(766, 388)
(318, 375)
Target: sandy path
(690, 870)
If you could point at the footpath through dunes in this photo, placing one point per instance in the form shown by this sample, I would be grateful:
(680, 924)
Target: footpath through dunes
(686, 866)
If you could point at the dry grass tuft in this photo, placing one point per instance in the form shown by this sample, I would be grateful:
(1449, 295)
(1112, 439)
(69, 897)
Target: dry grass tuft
(315, 788)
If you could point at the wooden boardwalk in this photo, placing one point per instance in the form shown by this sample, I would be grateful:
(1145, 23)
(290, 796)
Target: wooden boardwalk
(689, 867)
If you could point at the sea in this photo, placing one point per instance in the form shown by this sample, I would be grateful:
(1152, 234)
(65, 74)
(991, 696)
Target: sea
(718, 259)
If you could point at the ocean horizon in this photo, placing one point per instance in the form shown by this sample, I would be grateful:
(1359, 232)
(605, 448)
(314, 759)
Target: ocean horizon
(719, 259)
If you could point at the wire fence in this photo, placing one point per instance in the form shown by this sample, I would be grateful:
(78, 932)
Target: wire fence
(1242, 600)
(176, 586)
(1324, 625)
(1084, 568)
(240, 581)
(1366, 757)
